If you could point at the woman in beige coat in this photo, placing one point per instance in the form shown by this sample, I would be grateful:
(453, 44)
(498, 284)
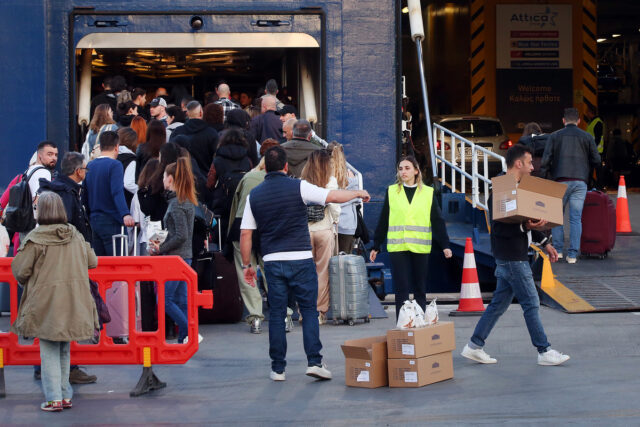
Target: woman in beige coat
(56, 305)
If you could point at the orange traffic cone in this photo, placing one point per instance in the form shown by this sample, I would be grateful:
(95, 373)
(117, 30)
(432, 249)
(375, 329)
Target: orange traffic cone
(470, 297)
(623, 224)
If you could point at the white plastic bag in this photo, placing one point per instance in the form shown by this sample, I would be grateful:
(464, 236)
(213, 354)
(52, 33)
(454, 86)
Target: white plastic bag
(406, 316)
(431, 315)
(420, 320)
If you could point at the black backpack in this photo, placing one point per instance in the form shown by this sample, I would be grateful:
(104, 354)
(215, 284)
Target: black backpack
(19, 212)
(229, 182)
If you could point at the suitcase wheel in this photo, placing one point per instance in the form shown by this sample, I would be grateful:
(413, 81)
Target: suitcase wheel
(351, 322)
(367, 320)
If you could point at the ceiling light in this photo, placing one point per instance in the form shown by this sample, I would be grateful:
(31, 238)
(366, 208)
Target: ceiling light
(406, 10)
(601, 40)
(615, 35)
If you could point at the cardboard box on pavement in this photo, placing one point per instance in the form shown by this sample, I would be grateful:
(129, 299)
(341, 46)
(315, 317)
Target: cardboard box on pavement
(420, 342)
(420, 372)
(366, 362)
(533, 198)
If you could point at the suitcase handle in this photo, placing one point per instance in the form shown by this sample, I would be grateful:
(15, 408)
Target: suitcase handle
(124, 241)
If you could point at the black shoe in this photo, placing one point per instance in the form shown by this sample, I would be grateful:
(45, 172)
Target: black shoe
(37, 375)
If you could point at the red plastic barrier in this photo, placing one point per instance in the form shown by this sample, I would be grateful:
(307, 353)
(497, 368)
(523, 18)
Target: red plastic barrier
(130, 269)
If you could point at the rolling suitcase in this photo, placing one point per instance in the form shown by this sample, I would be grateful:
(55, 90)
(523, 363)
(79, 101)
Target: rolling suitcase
(349, 289)
(598, 225)
(116, 297)
(217, 274)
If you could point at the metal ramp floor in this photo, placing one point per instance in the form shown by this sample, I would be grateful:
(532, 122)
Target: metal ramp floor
(590, 285)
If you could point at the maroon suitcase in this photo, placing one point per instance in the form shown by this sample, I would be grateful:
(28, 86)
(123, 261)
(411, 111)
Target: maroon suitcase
(598, 225)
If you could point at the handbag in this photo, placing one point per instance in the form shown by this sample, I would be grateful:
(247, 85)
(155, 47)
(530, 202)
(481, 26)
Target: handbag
(205, 216)
(103, 310)
(362, 232)
(315, 213)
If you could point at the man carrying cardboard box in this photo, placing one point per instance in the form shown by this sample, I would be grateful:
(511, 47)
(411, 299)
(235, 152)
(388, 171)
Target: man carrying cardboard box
(569, 156)
(509, 245)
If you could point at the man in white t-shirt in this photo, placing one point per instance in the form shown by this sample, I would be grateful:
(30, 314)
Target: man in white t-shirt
(277, 209)
(46, 160)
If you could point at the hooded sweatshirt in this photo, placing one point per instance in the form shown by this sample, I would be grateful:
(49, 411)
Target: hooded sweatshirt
(56, 304)
(200, 139)
(298, 151)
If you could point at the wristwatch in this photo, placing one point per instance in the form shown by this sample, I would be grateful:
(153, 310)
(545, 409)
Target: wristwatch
(244, 267)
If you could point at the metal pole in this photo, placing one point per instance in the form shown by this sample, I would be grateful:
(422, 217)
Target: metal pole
(425, 100)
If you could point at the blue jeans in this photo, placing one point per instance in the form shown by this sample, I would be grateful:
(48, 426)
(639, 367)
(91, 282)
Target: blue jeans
(175, 304)
(301, 279)
(514, 278)
(55, 358)
(574, 197)
(103, 227)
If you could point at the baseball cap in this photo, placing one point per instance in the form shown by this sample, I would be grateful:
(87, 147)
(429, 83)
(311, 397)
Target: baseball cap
(158, 101)
(287, 109)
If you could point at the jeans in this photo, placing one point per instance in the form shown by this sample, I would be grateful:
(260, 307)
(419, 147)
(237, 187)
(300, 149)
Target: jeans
(103, 227)
(574, 197)
(409, 271)
(55, 358)
(514, 278)
(301, 279)
(175, 304)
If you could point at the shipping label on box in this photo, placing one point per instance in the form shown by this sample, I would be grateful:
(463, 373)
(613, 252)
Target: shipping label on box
(533, 198)
(366, 362)
(420, 372)
(420, 342)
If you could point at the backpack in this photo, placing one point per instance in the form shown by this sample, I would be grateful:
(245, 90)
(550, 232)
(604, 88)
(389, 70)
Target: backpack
(229, 182)
(19, 212)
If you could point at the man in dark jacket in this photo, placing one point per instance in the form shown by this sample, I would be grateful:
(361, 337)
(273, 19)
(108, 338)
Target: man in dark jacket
(268, 124)
(509, 245)
(73, 170)
(299, 148)
(200, 139)
(569, 156)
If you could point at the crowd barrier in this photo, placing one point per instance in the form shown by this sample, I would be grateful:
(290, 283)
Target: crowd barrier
(143, 348)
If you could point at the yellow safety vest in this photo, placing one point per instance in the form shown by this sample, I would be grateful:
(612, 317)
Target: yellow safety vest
(591, 129)
(409, 223)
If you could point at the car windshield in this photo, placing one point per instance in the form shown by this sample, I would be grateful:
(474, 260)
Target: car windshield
(474, 128)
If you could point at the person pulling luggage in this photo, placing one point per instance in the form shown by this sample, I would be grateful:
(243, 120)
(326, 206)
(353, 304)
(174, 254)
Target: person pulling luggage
(277, 210)
(410, 220)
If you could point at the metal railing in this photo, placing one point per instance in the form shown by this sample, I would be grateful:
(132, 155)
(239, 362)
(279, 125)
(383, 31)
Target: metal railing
(461, 151)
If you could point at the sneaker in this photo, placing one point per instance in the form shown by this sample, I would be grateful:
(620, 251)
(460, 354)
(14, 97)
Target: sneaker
(52, 406)
(478, 355)
(552, 357)
(322, 318)
(186, 339)
(255, 326)
(319, 371)
(66, 404)
(277, 376)
(288, 324)
(78, 376)
(571, 260)
(560, 256)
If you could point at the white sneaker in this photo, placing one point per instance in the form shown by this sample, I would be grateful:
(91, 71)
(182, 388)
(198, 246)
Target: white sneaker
(571, 260)
(478, 355)
(319, 371)
(186, 339)
(277, 377)
(560, 256)
(552, 357)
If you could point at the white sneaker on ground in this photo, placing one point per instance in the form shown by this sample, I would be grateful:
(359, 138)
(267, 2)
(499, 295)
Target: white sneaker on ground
(478, 355)
(277, 377)
(552, 357)
(571, 260)
(319, 371)
(186, 339)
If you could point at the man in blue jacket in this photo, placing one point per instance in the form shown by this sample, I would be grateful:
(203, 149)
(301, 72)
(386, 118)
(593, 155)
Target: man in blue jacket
(103, 195)
(569, 156)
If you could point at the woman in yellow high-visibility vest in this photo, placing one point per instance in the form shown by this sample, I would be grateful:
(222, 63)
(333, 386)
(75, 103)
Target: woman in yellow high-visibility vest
(410, 220)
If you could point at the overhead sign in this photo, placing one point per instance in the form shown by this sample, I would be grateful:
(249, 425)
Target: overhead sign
(534, 61)
(533, 36)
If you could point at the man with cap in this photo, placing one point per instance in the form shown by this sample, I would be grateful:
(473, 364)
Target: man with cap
(158, 109)
(289, 112)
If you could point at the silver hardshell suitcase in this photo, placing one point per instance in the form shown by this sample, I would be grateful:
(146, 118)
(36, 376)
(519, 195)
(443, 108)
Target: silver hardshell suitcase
(349, 289)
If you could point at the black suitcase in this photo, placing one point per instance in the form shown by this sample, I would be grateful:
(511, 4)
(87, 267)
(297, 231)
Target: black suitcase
(217, 274)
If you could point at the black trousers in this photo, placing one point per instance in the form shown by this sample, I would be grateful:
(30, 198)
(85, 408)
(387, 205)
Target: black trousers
(409, 271)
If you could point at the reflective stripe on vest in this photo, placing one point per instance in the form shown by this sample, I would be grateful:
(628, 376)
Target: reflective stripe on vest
(409, 223)
(591, 129)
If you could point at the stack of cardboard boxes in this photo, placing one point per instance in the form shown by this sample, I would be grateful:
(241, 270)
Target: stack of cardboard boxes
(402, 358)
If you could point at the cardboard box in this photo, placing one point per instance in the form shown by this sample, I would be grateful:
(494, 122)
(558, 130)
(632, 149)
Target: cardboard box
(366, 362)
(420, 372)
(534, 198)
(420, 342)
